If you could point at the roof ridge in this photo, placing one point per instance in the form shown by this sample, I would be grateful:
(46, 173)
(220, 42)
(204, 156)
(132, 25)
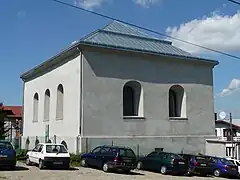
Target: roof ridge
(124, 26)
(133, 28)
(140, 37)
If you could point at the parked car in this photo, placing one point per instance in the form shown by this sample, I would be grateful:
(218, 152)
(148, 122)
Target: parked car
(224, 167)
(7, 155)
(164, 162)
(110, 158)
(198, 164)
(49, 155)
(236, 162)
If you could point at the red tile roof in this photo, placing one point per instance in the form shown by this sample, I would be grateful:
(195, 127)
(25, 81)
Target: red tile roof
(16, 110)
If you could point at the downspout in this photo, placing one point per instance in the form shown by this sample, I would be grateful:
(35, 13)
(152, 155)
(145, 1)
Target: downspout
(81, 93)
(22, 120)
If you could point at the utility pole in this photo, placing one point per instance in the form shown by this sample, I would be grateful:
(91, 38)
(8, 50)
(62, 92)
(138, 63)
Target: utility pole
(231, 129)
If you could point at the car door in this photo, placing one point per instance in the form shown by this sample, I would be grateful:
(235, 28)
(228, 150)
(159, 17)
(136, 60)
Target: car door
(92, 158)
(102, 156)
(33, 155)
(38, 153)
(150, 160)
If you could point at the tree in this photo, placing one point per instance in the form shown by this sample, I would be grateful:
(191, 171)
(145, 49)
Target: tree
(3, 115)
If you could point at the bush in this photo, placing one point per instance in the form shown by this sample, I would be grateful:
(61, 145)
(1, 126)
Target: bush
(21, 154)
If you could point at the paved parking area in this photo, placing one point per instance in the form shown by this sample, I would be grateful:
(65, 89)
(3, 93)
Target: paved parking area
(33, 173)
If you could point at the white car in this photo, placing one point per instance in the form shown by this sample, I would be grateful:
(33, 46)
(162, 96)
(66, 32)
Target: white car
(236, 162)
(49, 155)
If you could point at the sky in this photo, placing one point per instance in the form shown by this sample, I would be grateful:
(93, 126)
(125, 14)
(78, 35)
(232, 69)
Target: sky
(32, 31)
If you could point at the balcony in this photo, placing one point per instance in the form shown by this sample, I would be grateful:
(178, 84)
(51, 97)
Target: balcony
(237, 138)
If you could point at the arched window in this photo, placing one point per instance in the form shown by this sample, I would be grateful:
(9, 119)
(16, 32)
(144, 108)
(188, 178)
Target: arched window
(65, 144)
(177, 101)
(132, 99)
(46, 105)
(35, 107)
(60, 101)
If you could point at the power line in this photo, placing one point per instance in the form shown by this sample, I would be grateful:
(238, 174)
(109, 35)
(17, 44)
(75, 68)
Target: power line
(146, 29)
(235, 2)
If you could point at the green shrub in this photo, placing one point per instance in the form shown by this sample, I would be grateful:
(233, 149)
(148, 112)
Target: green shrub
(21, 154)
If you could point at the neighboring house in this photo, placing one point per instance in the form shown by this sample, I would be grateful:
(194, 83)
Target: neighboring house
(119, 86)
(223, 142)
(14, 122)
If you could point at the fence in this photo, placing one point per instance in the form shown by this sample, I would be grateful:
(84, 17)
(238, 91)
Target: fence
(141, 146)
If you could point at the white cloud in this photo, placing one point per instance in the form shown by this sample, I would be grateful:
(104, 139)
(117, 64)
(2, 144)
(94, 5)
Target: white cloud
(216, 31)
(89, 4)
(146, 3)
(233, 87)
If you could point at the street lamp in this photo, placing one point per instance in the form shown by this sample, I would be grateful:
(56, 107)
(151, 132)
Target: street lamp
(222, 116)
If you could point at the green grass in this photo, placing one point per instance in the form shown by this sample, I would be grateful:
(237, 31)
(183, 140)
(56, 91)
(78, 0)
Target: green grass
(75, 164)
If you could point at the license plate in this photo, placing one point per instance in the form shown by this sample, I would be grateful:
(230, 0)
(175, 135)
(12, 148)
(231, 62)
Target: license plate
(127, 160)
(3, 156)
(181, 163)
(234, 169)
(203, 165)
(57, 162)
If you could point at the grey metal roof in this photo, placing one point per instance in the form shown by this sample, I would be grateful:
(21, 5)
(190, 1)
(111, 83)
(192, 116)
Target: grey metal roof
(116, 26)
(119, 35)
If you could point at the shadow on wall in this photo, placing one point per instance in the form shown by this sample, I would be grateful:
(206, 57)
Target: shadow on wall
(129, 66)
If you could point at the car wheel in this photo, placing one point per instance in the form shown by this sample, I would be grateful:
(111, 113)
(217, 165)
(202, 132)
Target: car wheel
(189, 172)
(139, 165)
(83, 163)
(216, 173)
(163, 170)
(28, 162)
(40, 165)
(105, 167)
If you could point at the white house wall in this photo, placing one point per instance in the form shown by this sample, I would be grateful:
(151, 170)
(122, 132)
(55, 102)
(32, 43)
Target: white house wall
(68, 128)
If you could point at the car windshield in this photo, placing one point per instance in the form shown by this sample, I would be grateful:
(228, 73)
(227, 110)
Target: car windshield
(175, 156)
(201, 158)
(55, 149)
(126, 153)
(225, 161)
(6, 145)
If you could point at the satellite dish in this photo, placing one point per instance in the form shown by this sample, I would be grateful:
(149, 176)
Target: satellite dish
(222, 115)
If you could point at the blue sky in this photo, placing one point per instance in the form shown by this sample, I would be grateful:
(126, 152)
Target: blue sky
(32, 31)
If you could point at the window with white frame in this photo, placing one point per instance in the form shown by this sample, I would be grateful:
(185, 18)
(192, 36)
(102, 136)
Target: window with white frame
(35, 107)
(229, 151)
(132, 99)
(60, 102)
(47, 105)
(177, 102)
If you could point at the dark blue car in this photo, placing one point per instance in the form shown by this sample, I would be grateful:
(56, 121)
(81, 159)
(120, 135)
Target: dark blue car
(198, 164)
(7, 155)
(110, 158)
(223, 167)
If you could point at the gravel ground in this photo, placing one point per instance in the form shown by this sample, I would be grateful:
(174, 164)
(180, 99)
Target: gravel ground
(33, 173)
